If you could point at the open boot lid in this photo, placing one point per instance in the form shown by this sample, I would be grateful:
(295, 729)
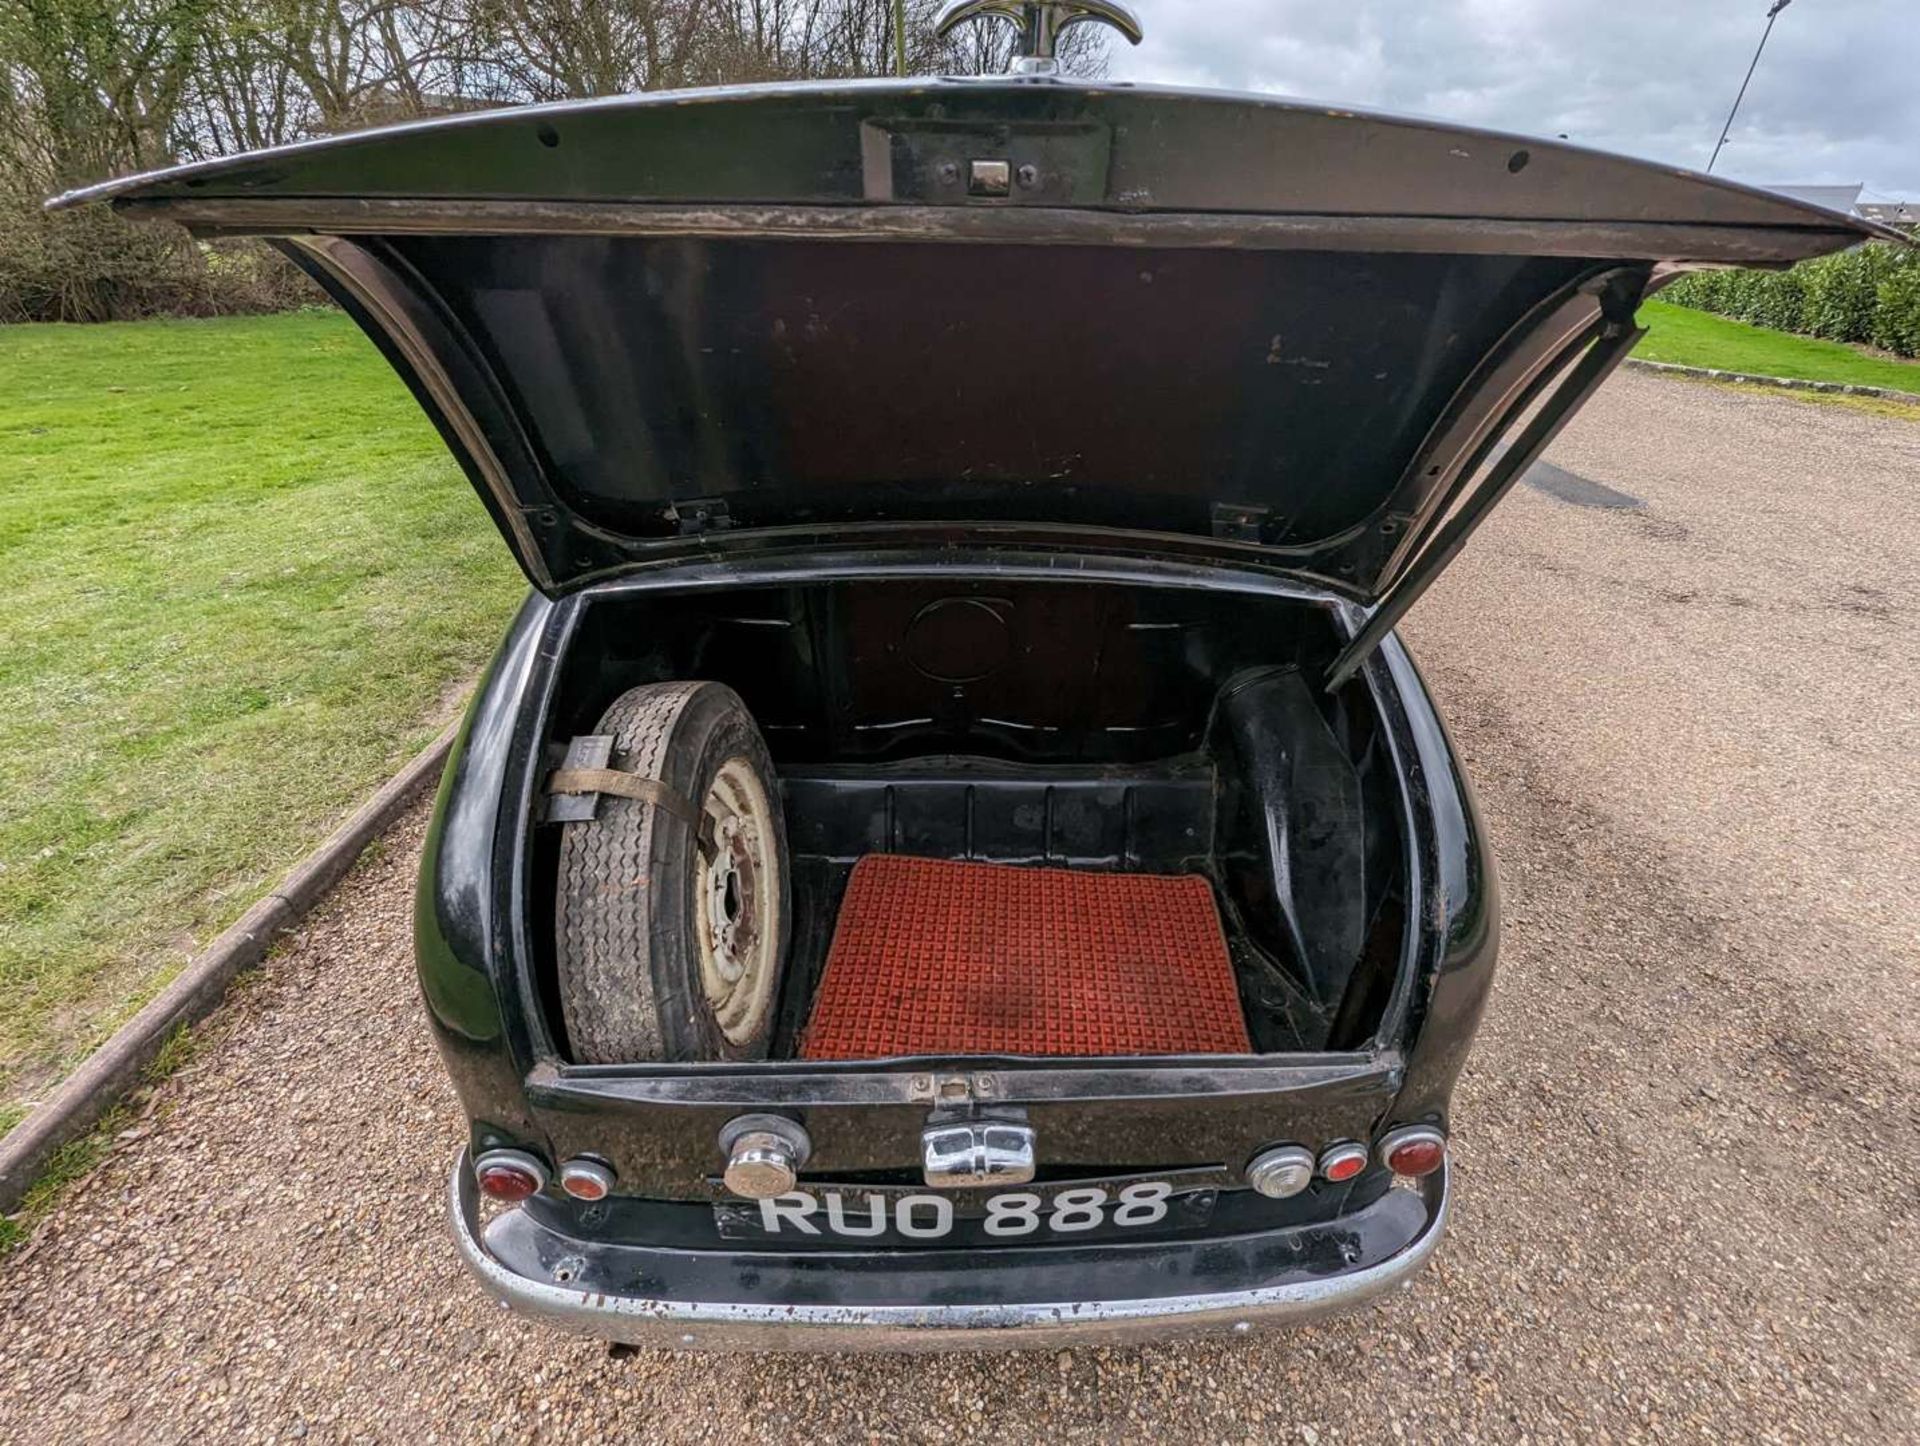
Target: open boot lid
(807, 316)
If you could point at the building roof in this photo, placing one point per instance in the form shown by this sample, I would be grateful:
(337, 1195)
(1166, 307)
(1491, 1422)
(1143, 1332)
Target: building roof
(1835, 198)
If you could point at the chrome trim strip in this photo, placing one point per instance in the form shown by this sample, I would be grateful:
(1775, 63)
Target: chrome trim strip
(732, 1325)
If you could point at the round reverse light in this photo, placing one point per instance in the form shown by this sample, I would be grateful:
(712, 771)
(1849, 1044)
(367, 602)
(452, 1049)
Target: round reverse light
(1343, 1162)
(1413, 1150)
(509, 1175)
(586, 1178)
(1281, 1171)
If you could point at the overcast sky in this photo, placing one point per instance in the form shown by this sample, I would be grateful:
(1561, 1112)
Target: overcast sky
(1836, 98)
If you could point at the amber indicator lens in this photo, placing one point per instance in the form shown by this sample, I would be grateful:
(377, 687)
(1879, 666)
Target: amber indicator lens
(508, 1175)
(586, 1179)
(1414, 1152)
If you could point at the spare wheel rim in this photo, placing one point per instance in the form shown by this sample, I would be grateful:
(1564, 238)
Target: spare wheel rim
(737, 902)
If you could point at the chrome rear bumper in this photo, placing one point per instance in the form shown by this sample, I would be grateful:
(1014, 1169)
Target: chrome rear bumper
(577, 1293)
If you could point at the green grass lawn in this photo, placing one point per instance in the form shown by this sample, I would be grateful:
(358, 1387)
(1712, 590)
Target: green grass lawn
(243, 583)
(1701, 339)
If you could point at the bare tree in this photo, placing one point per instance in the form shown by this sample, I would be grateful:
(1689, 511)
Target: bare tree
(844, 38)
(88, 88)
(92, 88)
(555, 49)
(97, 84)
(246, 91)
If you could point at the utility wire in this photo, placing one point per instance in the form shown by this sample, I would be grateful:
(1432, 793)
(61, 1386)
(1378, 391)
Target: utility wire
(1727, 129)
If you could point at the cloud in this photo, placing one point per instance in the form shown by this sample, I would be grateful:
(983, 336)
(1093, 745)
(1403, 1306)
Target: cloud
(1836, 97)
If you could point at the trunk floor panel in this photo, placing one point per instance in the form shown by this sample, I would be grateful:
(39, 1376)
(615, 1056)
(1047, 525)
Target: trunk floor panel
(933, 956)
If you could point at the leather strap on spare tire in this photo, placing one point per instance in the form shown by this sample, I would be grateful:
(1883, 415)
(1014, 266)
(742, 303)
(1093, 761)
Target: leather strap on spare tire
(671, 910)
(581, 781)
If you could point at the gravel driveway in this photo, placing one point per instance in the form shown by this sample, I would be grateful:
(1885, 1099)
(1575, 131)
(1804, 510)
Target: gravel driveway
(1687, 1191)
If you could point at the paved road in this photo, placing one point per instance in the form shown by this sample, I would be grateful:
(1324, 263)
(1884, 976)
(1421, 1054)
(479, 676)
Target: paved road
(1686, 1142)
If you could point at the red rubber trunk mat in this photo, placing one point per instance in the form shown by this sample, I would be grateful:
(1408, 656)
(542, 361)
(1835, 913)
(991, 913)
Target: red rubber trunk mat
(931, 956)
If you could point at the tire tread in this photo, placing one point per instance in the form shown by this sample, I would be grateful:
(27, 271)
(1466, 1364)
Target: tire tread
(603, 905)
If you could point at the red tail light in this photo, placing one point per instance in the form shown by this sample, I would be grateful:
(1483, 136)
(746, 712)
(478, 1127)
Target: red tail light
(509, 1175)
(1413, 1150)
(1343, 1162)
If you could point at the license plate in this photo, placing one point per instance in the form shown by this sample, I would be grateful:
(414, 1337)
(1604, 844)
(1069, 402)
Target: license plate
(1057, 1214)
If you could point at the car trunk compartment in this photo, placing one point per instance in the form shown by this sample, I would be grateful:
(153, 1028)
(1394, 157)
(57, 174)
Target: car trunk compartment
(1063, 725)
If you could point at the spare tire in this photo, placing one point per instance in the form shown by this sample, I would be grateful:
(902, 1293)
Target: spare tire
(666, 950)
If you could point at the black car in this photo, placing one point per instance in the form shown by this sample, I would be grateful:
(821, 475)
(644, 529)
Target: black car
(952, 851)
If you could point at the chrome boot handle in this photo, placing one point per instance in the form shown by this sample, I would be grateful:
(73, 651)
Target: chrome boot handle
(1041, 23)
(958, 1154)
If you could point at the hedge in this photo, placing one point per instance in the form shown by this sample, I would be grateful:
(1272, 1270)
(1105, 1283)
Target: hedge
(1896, 319)
(90, 265)
(1869, 294)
